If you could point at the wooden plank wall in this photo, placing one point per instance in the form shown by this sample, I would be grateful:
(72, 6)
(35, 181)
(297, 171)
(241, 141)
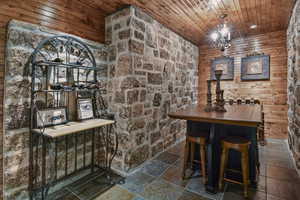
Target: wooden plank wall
(273, 93)
(68, 16)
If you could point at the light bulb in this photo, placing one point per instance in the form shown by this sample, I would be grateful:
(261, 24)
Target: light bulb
(214, 36)
(224, 31)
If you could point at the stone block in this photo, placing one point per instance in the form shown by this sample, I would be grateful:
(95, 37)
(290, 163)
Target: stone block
(132, 96)
(122, 46)
(148, 66)
(157, 99)
(138, 62)
(154, 78)
(143, 94)
(136, 47)
(125, 112)
(164, 54)
(129, 83)
(138, 35)
(125, 34)
(137, 157)
(137, 110)
(124, 67)
(140, 138)
(119, 97)
(152, 125)
(137, 24)
(136, 124)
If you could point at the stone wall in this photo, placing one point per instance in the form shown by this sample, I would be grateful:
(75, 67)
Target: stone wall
(293, 44)
(22, 38)
(152, 71)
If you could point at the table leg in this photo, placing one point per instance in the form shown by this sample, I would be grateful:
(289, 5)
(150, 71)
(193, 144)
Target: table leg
(211, 160)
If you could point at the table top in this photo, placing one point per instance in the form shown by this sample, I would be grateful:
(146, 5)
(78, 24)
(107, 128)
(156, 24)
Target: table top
(242, 115)
(73, 127)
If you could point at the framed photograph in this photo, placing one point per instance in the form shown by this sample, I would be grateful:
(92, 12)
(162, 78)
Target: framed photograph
(85, 109)
(224, 63)
(51, 117)
(255, 67)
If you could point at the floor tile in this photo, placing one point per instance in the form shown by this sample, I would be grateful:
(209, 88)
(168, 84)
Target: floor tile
(196, 185)
(179, 163)
(162, 190)
(272, 197)
(174, 175)
(62, 195)
(167, 157)
(261, 184)
(155, 168)
(137, 182)
(186, 195)
(138, 198)
(283, 189)
(281, 173)
(236, 192)
(117, 193)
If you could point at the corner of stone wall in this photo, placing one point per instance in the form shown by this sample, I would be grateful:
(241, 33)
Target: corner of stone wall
(293, 46)
(152, 71)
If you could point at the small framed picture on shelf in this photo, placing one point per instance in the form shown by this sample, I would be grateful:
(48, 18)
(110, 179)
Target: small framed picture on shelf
(85, 109)
(51, 117)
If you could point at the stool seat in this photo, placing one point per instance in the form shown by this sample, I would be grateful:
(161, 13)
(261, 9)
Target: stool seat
(236, 140)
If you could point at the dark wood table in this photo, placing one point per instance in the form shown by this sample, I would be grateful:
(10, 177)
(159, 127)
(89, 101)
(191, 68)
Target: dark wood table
(239, 120)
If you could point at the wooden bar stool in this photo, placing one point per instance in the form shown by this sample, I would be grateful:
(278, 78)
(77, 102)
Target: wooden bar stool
(239, 144)
(190, 148)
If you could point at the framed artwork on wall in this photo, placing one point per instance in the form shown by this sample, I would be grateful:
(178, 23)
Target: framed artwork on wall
(255, 67)
(224, 63)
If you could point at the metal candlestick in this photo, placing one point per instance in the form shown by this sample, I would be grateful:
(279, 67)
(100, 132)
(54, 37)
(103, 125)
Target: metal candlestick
(209, 106)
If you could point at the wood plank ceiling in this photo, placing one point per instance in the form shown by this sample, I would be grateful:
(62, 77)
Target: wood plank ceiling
(195, 19)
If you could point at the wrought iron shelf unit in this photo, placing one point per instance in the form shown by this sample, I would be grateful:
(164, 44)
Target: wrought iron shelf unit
(60, 152)
(65, 65)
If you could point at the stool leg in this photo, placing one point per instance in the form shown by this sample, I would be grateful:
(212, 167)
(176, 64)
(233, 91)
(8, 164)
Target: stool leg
(203, 158)
(224, 160)
(245, 169)
(192, 153)
(185, 159)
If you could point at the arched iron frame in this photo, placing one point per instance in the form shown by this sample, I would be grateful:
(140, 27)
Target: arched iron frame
(51, 54)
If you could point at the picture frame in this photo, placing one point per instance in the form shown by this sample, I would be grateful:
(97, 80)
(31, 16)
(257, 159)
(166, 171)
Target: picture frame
(51, 117)
(255, 67)
(85, 109)
(224, 63)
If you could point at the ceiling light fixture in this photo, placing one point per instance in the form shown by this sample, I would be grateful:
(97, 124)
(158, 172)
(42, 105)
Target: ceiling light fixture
(221, 37)
(253, 26)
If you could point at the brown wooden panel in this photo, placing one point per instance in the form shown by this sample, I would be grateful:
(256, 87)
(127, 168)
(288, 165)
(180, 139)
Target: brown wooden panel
(272, 93)
(194, 19)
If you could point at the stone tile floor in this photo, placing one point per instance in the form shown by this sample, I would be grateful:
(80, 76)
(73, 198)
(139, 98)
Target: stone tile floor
(160, 179)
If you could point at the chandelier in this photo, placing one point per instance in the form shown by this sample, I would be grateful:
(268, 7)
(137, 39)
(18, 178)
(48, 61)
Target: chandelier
(221, 37)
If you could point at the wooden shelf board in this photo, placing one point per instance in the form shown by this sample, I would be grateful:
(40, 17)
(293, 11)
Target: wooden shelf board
(73, 127)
